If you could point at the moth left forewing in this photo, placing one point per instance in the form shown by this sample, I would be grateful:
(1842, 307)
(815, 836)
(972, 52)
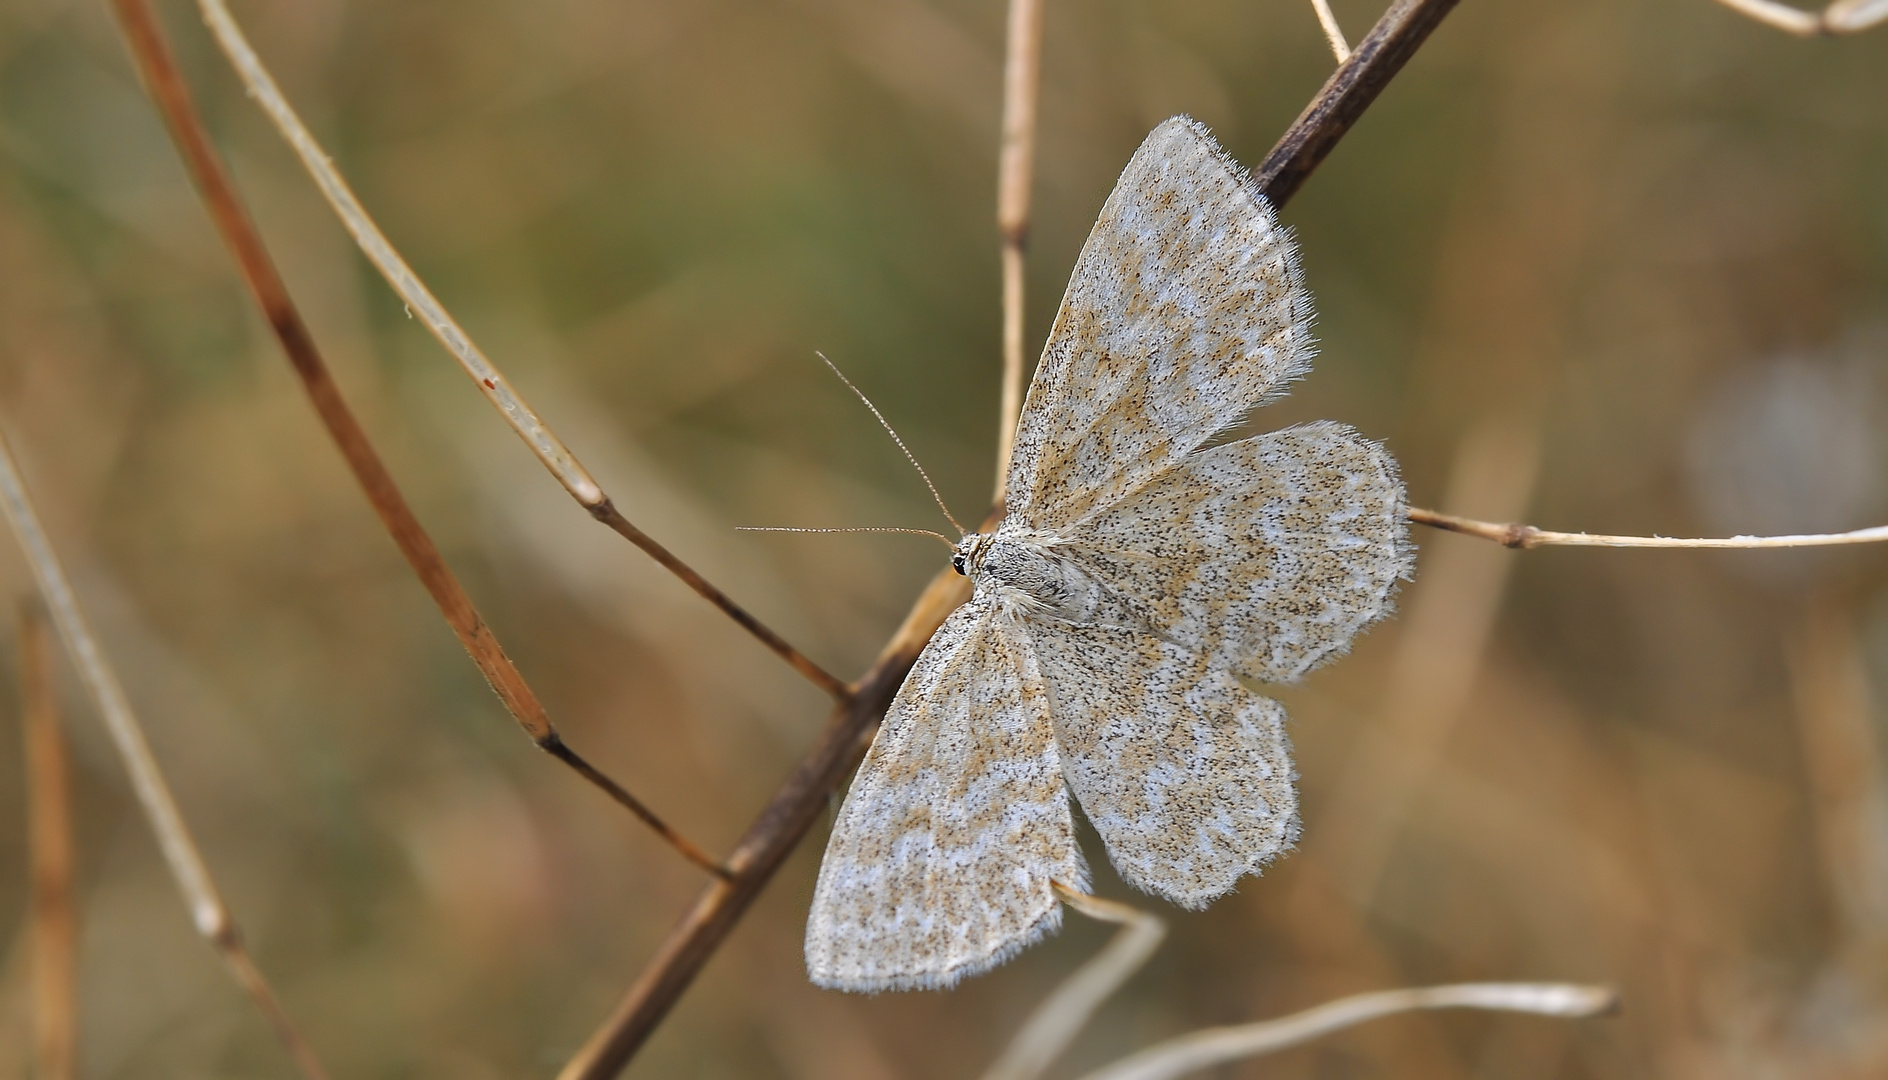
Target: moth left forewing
(1267, 556)
(941, 862)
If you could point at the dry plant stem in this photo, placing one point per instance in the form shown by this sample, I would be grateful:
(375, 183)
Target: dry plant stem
(1022, 79)
(186, 865)
(491, 382)
(607, 513)
(1346, 94)
(1842, 17)
(55, 924)
(1829, 683)
(798, 803)
(1214, 1046)
(1527, 536)
(166, 86)
(787, 817)
(1333, 33)
(1054, 1024)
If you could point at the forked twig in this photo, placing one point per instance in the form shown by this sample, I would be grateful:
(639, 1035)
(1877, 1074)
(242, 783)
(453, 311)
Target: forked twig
(1327, 21)
(1053, 1025)
(491, 382)
(166, 87)
(207, 910)
(1527, 536)
(799, 802)
(1214, 1046)
(1841, 17)
(55, 924)
(1015, 170)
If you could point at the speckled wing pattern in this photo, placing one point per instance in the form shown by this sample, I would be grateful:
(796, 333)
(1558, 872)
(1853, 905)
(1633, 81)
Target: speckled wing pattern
(940, 863)
(1185, 311)
(1142, 578)
(1185, 773)
(1266, 555)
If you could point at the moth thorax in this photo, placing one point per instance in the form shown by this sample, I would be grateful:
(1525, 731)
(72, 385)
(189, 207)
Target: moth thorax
(1048, 579)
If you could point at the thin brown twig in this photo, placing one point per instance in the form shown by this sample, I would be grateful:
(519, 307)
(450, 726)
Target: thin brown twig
(1015, 172)
(1215, 1046)
(798, 803)
(211, 916)
(55, 922)
(1841, 17)
(1527, 536)
(485, 375)
(167, 88)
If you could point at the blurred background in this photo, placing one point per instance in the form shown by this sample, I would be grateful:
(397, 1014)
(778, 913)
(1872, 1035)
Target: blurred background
(1615, 266)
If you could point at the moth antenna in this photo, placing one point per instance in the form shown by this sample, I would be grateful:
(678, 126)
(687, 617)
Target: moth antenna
(862, 528)
(925, 476)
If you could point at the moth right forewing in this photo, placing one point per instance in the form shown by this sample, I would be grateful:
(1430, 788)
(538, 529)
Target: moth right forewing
(1185, 310)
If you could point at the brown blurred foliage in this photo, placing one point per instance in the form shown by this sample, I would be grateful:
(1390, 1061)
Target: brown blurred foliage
(1613, 265)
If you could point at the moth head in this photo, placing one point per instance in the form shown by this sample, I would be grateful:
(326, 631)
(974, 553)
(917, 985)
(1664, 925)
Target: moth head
(964, 559)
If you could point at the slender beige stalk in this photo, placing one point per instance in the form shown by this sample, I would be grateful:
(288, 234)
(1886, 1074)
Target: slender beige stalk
(484, 374)
(1841, 17)
(55, 923)
(144, 36)
(207, 910)
(420, 300)
(1214, 1046)
(1854, 16)
(1527, 536)
(1333, 33)
(1053, 1025)
(1016, 166)
(1841, 756)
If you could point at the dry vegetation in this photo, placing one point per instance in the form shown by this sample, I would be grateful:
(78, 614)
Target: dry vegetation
(1608, 266)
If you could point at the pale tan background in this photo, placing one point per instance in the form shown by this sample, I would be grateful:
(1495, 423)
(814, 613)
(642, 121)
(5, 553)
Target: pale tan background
(1642, 244)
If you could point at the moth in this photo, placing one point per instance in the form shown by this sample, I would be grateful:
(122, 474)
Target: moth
(1147, 573)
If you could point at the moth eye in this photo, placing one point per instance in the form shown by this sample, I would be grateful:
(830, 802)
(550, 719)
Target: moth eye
(957, 564)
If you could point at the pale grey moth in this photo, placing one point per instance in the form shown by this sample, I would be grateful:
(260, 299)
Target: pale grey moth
(1145, 573)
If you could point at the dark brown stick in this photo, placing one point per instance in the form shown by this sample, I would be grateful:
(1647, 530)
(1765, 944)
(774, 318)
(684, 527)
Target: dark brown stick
(1346, 94)
(49, 824)
(796, 805)
(166, 86)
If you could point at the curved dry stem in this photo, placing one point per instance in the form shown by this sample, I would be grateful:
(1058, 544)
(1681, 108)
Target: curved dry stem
(1214, 1046)
(1842, 17)
(1327, 21)
(1527, 536)
(167, 89)
(491, 382)
(1053, 1025)
(207, 910)
(1022, 80)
